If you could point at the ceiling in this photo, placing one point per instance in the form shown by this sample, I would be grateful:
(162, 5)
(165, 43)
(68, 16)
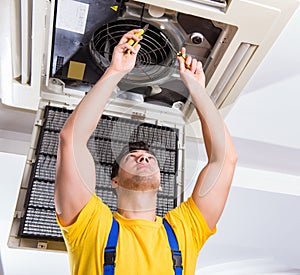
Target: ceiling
(263, 121)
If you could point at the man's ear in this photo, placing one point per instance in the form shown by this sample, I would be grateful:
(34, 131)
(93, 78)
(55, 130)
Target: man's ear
(114, 182)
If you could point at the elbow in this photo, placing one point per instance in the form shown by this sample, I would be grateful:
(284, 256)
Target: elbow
(232, 156)
(65, 141)
(64, 137)
(63, 134)
(66, 133)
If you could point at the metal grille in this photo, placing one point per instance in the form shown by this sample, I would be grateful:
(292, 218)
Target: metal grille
(154, 60)
(111, 134)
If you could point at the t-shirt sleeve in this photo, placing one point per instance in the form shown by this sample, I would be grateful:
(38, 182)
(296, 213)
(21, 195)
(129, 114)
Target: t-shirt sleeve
(189, 224)
(94, 212)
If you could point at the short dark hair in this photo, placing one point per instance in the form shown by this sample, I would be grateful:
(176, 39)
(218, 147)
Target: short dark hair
(131, 146)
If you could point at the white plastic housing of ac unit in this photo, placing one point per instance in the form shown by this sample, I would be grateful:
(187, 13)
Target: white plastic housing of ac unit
(258, 24)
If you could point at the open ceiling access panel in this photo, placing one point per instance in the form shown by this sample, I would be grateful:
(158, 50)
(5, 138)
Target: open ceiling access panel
(60, 48)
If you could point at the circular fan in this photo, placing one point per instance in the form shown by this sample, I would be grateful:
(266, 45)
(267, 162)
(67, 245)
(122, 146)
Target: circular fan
(154, 60)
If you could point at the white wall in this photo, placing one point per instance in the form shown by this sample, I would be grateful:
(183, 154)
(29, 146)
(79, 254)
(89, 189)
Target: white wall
(259, 229)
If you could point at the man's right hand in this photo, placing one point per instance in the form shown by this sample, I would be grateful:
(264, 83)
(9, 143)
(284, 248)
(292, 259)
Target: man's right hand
(121, 61)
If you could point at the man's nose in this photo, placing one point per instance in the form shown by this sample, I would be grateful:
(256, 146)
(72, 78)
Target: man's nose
(143, 159)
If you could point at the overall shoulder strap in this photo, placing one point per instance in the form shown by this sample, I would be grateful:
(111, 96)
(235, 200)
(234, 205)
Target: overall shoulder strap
(176, 253)
(112, 241)
(110, 249)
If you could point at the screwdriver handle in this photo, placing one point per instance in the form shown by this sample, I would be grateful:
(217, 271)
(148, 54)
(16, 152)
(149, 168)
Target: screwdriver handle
(132, 42)
(184, 58)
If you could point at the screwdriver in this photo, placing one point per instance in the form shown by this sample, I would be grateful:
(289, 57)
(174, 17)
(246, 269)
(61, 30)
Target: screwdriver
(178, 53)
(132, 42)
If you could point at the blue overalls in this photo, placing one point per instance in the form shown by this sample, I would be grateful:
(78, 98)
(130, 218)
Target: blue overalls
(110, 249)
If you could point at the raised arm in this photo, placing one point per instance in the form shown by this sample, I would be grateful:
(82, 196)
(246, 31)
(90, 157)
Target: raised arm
(75, 170)
(212, 187)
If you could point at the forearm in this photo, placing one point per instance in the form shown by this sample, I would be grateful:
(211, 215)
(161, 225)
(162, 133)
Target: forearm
(87, 114)
(213, 128)
(216, 139)
(73, 152)
(85, 117)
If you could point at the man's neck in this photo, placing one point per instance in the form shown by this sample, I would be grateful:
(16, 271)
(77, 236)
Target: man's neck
(137, 204)
(145, 215)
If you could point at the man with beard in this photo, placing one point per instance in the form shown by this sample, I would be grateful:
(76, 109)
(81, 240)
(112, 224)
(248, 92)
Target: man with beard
(142, 244)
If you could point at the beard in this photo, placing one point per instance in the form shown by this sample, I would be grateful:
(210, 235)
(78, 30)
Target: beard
(141, 183)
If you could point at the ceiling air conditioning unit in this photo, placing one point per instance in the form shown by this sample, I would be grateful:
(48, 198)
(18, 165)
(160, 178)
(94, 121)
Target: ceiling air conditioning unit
(58, 50)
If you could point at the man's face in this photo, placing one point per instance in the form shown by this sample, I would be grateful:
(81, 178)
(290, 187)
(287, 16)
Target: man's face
(139, 171)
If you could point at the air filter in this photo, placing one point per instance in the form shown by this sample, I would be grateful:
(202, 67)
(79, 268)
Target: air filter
(110, 135)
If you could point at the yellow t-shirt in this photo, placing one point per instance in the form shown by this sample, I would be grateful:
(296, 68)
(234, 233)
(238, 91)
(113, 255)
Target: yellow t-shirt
(143, 246)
